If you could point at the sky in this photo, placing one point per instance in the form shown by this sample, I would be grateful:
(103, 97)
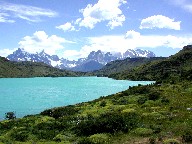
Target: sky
(73, 28)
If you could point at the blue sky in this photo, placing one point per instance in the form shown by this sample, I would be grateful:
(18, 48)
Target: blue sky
(72, 28)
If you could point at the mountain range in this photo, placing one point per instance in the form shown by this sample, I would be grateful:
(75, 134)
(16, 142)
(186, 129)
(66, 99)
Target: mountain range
(94, 61)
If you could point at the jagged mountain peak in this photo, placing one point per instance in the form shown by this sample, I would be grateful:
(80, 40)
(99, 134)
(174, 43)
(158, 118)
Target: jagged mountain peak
(98, 56)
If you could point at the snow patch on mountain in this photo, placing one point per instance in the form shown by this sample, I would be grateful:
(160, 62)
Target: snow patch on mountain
(98, 58)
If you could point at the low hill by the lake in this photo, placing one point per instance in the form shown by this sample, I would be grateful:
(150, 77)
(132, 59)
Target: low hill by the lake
(30, 69)
(178, 66)
(125, 65)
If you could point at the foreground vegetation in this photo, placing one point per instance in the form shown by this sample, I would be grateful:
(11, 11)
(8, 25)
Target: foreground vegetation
(152, 113)
(156, 113)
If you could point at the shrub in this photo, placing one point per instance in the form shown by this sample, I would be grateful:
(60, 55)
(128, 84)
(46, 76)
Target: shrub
(46, 129)
(99, 138)
(10, 115)
(187, 137)
(109, 122)
(19, 134)
(84, 140)
(171, 141)
(143, 131)
(60, 112)
(103, 103)
(59, 138)
(154, 95)
(142, 100)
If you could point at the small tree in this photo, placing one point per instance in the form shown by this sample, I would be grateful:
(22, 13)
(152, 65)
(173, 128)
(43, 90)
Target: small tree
(10, 115)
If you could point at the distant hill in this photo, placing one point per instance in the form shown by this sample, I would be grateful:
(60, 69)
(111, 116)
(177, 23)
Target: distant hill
(124, 65)
(178, 66)
(88, 66)
(30, 69)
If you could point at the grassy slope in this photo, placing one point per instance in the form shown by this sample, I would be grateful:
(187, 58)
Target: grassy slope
(28, 69)
(176, 66)
(122, 65)
(141, 114)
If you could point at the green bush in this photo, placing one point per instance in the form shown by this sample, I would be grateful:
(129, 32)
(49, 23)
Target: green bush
(142, 100)
(99, 138)
(84, 140)
(60, 111)
(143, 131)
(171, 141)
(187, 137)
(154, 95)
(19, 134)
(103, 103)
(46, 129)
(109, 122)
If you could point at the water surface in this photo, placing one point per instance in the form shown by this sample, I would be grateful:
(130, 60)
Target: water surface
(26, 96)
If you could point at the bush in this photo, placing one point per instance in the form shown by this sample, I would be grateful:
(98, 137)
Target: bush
(19, 134)
(171, 141)
(142, 100)
(143, 131)
(10, 115)
(109, 122)
(103, 103)
(60, 112)
(47, 128)
(187, 137)
(99, 138)
(84, 140)
(154, 95)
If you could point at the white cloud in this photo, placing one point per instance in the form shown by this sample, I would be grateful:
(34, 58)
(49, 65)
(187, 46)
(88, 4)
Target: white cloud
(132, 34)
(159, 21)
(29, 13)
(103, 11)
(3, 18)
(6, 52)
(41, 41)
(66, 27)
(132, 40)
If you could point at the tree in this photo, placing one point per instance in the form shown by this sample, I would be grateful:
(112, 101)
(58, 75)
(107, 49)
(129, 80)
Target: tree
(10, 115)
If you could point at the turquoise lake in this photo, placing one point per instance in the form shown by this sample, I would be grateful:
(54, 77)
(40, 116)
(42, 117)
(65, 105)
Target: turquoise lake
(26, 96)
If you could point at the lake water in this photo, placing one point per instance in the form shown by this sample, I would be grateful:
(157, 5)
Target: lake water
(26, 96)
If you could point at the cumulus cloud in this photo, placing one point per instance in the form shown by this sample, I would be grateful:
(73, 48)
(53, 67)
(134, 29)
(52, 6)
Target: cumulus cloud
(66, 27)
(103, 11)
(131, 40)
(29, 13)
(159, 21)
(41, 41)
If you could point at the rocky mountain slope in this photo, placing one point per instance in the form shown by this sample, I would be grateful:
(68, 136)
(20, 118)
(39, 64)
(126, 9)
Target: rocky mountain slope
(81, 64)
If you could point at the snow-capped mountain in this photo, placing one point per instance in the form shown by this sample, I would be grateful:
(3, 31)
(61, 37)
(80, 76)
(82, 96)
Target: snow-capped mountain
(138, 53)
(93, 61)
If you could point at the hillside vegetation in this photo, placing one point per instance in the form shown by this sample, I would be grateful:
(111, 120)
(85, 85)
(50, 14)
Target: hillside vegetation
(31, 69)
(125, 65)
(159, 113)
(178, 66)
